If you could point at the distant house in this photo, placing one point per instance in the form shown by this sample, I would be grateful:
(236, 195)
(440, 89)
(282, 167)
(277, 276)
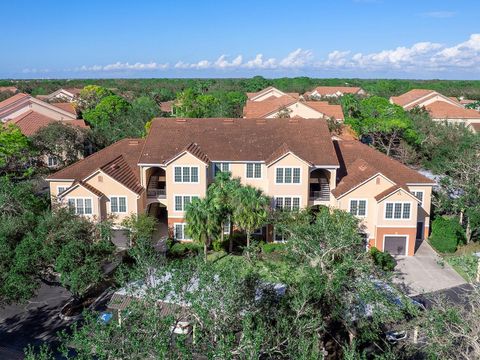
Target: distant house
(167, 106)
(273, 103)
(294, 161)
(11, 89)
(333, 91)
(67, 94)
(440, 107)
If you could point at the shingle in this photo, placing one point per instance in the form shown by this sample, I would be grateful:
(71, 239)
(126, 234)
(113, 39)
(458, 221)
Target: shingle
(30, 122)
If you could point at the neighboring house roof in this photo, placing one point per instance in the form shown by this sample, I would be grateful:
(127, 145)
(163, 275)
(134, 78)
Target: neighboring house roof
(333, 90)
(74, 91)
(475, 127)
(89, 187)
(223, 139)
(167, 106)
(251, 95)
(359, 162)
(8, 88)
(332, 111)
(13, 99)
(443, 110)
(418, 97)
(66, 106)
(30, 122)
(257, 109)
(118, 160)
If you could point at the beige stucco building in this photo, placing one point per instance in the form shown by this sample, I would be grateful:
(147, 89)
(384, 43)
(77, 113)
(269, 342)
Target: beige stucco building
(294, 161)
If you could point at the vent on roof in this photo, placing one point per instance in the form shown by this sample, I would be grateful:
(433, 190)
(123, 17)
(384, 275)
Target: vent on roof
(363, 167)
(228, 121)
(180, 120)
(114, 166)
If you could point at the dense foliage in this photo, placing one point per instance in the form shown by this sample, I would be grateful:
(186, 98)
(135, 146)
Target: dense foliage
(446, 235)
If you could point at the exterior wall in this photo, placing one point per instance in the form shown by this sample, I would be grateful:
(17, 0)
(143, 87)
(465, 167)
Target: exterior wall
(423, 212)
(400, 196)
(54, 187)
(81, 192)
(240, 170)
(47, 110)
(300, 110)
(274, 189)
(199, 189)
(271, 92)
(110, 187)
(428, 101)
(367, 191)
(383, 231)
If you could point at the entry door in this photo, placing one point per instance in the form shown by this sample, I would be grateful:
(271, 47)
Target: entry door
(396, 244)
(420, 231)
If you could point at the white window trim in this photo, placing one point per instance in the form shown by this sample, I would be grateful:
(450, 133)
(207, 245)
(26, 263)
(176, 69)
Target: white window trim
(396, 235)
(423, 195)
(274, 238)
(126, 204)
(61, 186)
(183, 205)
(287, 167)
(184, 224)
(261, 171)
(288, 196)
(83, 198)
(186, 182)
(393, 211)
(220, 162)
(359, 199)
(255, 232)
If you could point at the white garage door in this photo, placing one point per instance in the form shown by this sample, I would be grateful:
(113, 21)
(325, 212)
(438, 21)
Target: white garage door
(396, 245)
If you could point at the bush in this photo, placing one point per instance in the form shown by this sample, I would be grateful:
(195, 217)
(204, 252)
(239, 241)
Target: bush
(382, 259)
(268, 248)
(218, 245)
(182, 249)
(446, 234)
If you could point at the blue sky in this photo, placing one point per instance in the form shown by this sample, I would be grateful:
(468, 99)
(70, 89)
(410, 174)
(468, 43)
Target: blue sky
(273, 38)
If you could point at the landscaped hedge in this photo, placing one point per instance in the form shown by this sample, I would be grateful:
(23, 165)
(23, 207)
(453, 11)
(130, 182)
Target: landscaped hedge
(447, 234)
(382, 259)
(180, 249)
(268, 248)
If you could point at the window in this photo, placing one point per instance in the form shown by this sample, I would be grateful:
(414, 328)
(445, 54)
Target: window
(180, 231)
(279, 236)
(258, 231)
(287, 203)
(397, 211)
(220, 167)
(118, 204)
(181, 201)
(185, 174)
(61, 189)
(287, 175)
(81, 206)
(254, 171)
(226, 226)
(52, 161)
(358, 207)
(419, 196)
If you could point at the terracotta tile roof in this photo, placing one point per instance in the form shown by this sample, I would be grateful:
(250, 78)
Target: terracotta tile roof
(8, 88)
(410, 96)
(277, 154)
(166, 106)
(391, 190)
(86, 186)
(239, 139)
(475, 127)
(332, 111)
(467, 101)
(128, 149)
(66, 106)
(257, 109)
(74, 91)
(251, 95)
(332, 90)
(119, 169)
(359, 162)
(13, 99)
(30, 122)
(444, 110)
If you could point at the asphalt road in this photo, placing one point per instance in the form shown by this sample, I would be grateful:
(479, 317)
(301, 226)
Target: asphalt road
(33, 322)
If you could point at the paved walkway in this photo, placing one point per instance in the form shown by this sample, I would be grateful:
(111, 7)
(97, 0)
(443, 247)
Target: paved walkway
(425, 272)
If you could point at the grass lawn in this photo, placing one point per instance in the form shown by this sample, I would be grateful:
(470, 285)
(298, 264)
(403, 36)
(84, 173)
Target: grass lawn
(463, 260)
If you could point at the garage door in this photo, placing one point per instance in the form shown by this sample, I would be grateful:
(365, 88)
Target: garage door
(396, 245)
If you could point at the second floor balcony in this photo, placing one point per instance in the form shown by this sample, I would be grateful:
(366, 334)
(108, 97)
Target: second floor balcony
(319, 186)
(157, 188)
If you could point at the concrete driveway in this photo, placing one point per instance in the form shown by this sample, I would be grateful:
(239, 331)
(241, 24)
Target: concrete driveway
(425, 272)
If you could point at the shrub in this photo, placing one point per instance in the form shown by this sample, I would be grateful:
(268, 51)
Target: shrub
(218, 245)
(382, 259)
(446, 234)
(181, 249)
(268, 248)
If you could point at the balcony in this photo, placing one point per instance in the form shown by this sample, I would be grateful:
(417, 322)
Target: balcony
(319, 186)
(157, 187)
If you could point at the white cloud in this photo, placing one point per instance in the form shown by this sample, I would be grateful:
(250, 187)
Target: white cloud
(439, 14)
(422, 57)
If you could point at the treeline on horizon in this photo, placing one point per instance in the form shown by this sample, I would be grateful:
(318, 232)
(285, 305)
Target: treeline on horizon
(166, 89)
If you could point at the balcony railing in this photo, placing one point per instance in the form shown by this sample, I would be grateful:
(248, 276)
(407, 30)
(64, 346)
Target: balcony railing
(157, 193)
(319, 196)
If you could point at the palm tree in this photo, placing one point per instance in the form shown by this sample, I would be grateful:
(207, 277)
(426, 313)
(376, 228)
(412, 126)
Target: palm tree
(203, 222)
(222, 193)
(251, 209)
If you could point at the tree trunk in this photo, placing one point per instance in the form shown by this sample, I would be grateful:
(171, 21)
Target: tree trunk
(248, 239)
(468, 231)
(205, 251)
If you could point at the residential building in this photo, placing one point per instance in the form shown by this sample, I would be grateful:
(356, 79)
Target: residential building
(294, 161)
(67, 95)
(333, 92)
(441, 107)
(12, 89)
(273, 103)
